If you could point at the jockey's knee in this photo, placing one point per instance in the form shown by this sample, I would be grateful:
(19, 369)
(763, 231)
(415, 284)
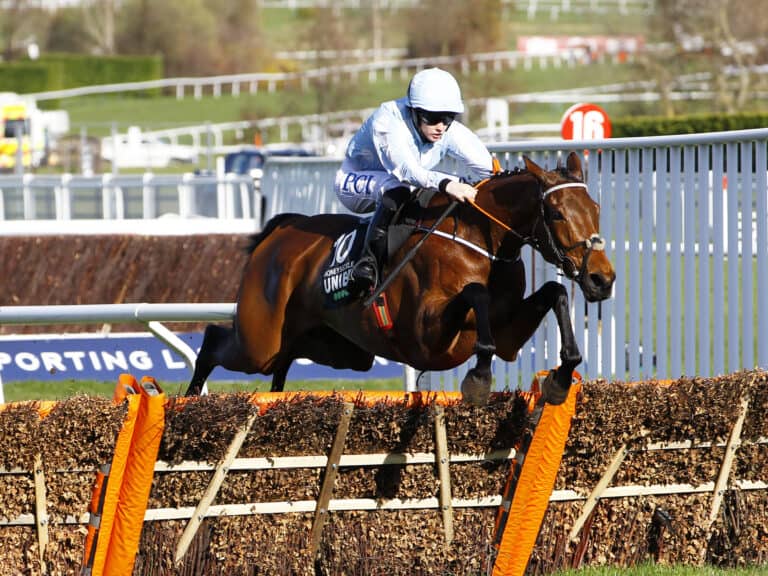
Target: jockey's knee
(393, 198)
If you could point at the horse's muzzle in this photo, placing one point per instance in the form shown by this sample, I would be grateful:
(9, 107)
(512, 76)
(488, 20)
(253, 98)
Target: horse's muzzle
(597, 285)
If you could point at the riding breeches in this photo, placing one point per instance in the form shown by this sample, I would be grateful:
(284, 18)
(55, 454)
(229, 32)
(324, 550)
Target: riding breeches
(361, 190)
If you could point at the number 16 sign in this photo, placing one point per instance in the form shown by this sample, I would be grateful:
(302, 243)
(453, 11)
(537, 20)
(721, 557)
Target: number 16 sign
(585, 122)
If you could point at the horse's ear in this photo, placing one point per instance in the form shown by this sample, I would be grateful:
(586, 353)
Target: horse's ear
(547, 178)
(573, 164)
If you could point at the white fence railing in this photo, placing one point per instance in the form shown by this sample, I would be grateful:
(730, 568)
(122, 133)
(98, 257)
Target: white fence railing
(155, 203)
(151, 315)
(530, 7)
(554, 8)
(328, 133)
(234, 84)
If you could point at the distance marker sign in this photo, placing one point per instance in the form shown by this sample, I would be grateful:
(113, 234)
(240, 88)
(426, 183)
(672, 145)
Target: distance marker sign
(585, 122)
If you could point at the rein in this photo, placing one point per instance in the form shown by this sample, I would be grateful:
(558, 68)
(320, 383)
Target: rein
(594, 242)
(388, 280)
(490, 216)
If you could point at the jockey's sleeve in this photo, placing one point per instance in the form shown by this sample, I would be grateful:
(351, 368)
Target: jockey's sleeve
(465, 146)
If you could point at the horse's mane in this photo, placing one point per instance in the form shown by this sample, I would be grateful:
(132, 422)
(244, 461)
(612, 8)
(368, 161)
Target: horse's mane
(517, 171)
(255, 239)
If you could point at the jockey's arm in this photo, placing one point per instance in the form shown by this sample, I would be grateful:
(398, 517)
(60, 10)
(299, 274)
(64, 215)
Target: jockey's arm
(469, 150)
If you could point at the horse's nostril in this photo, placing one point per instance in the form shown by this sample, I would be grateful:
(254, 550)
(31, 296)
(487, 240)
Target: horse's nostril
(598, 280)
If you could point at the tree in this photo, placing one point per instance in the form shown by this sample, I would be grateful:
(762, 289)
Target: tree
(329, 35)
(21, 22)
(197, 37)
(99, 22)
(66, 32)
(240, 41)
(183, 31)
(724, 37)
(450, 27)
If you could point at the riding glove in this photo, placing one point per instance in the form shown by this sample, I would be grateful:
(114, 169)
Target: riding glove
(460, 191)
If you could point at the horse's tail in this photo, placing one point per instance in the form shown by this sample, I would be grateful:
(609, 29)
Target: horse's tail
(273, 223)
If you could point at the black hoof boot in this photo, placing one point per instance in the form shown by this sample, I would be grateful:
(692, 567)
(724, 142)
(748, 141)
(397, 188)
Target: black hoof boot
(551, 390)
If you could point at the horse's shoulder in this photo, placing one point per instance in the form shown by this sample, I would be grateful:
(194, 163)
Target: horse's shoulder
(272, 224)
(283, 227)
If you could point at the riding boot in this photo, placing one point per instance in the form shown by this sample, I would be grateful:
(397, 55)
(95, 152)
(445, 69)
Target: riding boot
(365, 274)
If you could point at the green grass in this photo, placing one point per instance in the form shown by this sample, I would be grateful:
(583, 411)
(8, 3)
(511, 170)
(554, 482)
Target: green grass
(97, 115)
(572, 24)
(656, 570)
(58, 390)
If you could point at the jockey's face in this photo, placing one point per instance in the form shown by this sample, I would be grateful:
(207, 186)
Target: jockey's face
(432, 133)
(433, 125)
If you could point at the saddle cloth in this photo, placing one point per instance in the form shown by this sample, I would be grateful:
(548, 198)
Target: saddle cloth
(345, 252)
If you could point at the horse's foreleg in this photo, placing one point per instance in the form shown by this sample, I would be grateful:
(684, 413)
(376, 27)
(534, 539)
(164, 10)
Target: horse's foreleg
(477, 383)
(520, 326)
(220, 348)
(556, 392)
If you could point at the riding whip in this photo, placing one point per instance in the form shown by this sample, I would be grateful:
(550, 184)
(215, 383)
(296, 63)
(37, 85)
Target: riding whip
(388, 280)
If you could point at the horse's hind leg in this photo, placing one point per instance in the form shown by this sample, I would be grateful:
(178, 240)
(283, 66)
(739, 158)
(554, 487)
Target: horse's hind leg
(220, 348)
(476, 385)
(279, 376)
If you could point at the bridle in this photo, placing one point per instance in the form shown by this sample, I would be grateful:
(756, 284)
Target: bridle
(565, 262)
(550, 244)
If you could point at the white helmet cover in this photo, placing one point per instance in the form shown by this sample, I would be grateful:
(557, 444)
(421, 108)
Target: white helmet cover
(435, 90)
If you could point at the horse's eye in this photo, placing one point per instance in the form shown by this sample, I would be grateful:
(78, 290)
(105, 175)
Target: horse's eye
(554, 214)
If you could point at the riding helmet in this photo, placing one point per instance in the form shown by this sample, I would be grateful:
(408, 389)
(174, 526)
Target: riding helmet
(435, 90)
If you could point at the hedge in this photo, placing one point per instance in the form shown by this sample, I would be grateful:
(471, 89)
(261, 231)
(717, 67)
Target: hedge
(694, 124)
(61, 71)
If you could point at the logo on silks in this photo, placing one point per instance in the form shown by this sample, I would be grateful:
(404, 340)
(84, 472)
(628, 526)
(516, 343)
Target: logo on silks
(339, 267)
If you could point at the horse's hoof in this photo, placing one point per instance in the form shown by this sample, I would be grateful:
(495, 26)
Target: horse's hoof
(551, 391)
(475, 388)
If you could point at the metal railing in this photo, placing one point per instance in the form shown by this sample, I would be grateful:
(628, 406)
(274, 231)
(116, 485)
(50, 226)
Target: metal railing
(184, 203)
(254, 81)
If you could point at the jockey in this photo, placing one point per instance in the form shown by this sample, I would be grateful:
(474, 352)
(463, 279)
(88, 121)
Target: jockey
(394, 154)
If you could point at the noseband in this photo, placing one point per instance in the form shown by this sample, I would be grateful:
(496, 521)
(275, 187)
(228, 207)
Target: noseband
(594, 242)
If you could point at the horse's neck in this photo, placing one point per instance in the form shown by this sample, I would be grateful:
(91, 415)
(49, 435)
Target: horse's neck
(513, 201)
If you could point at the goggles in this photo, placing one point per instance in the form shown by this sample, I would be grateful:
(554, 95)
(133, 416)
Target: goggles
(432, 118)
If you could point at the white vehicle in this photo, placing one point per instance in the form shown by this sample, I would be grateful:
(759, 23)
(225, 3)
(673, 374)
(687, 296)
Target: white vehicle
(21, 121)
(138, 150)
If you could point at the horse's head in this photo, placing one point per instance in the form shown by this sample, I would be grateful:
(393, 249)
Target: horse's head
(567, 231)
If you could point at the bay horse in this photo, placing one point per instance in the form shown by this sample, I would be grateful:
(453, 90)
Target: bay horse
(461, 293)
